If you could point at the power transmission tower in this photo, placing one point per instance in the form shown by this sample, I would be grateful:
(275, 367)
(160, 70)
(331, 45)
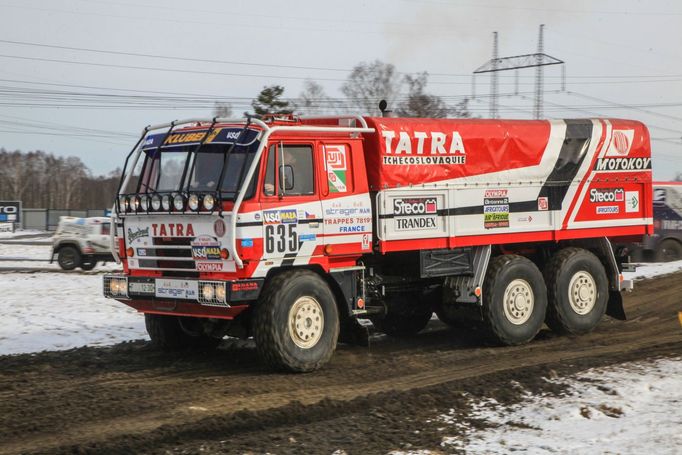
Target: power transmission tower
(497, 64)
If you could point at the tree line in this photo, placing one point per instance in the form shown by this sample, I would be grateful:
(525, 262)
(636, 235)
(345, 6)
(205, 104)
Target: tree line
(43, 180)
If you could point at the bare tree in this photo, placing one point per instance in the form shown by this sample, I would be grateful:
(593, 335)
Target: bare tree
(419, 103)
(368, 83)
(314, 100)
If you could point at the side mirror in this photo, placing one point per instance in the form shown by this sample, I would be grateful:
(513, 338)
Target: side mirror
(286, 177)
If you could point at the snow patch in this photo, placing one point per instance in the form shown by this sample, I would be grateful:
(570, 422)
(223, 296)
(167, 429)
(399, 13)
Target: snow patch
(55, 311)
(631, 408)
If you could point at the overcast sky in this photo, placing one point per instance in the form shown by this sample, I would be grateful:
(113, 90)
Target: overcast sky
(83, 77)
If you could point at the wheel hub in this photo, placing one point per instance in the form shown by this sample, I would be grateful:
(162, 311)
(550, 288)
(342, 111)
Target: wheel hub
(306, 322)
(582, 292)
(519, 302)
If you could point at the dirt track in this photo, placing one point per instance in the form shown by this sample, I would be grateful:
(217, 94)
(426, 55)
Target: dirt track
(131, 398)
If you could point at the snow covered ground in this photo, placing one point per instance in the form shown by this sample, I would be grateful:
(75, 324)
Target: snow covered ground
(55, 311)
(631, 408)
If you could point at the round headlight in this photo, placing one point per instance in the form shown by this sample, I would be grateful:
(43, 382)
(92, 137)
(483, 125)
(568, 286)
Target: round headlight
(144, 202)
(193, 202)
(165, 202)
(121, 203)
(209, 202)
(179, 202)
(220, 293)
(156, 202)
(208, 291)
(128, 203)
(135, 203)
(113, 286)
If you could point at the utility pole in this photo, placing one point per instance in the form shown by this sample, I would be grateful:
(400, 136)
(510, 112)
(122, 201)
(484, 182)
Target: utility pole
(516, 62)
(539, 79)
(494, 83)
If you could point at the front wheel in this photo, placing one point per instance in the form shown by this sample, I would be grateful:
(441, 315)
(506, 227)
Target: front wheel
(577, 289)
(514, 300)
(296, 323)
(68, 258)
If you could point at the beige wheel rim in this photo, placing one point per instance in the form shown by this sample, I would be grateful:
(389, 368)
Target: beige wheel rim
(306, 322)
(582, 293)
(519, 302)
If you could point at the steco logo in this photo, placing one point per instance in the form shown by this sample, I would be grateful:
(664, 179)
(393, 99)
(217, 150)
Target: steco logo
(607, 195)
(415, 206)
(8, 210)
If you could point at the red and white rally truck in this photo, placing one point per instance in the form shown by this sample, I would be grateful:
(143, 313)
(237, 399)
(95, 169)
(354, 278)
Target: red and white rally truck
(288, 229)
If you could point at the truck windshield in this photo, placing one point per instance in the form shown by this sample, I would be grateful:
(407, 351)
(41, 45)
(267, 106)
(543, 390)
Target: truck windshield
(163, 170)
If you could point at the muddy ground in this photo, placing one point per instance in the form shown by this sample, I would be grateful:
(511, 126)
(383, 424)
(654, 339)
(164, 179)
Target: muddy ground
(131, 398)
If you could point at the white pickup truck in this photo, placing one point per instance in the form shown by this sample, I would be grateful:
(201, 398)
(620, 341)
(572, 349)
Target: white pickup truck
(81, 242)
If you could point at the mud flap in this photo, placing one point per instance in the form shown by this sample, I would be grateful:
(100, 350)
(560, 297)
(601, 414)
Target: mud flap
(614, 307)
(354, 333)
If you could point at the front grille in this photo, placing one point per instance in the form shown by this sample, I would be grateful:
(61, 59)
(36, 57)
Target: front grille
(167, 253)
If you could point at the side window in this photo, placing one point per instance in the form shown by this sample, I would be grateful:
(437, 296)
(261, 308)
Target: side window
(295, 176)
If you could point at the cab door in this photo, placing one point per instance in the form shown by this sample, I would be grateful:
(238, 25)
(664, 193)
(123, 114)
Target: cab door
(290, 203)
(346, 203)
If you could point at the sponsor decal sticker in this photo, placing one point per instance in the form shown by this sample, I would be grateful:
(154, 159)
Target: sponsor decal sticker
(607, 195)
(422, 212)
(632, 201)
(247, 243)
(137, 234)
(607, 209)
(219, 227)
(337, 167)
(621, 142)
(307, 237)
(242, 286)
(543, 204)
(142, 252)
(423, 148)
(280, 216)
(177, 289)
(173, 230)
(365, 242)
(622, 164)
(205, 248)
(496, 209)
(209, 266)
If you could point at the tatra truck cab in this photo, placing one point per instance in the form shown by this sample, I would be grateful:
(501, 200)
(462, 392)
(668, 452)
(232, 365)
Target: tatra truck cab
(288, 229)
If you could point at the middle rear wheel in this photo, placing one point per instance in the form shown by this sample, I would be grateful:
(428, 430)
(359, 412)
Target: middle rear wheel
(514, 299)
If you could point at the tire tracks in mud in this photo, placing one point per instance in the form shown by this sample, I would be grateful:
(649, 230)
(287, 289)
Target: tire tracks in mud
(133, 397)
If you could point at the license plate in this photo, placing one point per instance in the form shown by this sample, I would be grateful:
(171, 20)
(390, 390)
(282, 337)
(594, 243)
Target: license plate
(177, 289)
(141, 288)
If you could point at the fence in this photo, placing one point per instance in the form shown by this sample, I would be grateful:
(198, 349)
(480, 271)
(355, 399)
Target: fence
(48, 219)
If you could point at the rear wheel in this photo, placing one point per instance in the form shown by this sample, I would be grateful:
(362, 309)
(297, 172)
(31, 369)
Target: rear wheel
(514, 300)
(577, 290)
(68, 258)
(669, 250)
(296, 323)
(407, 313)
(175, 332)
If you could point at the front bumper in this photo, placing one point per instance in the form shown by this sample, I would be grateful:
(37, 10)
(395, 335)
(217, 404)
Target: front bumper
(196, 293)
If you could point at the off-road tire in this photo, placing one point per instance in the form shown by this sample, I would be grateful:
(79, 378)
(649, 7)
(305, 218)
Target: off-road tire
(88, 264)
(560, 270)
(669, 250)
(408, 313)
(167, 333)
(502, 272)
(275, 342)
(68, 257)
